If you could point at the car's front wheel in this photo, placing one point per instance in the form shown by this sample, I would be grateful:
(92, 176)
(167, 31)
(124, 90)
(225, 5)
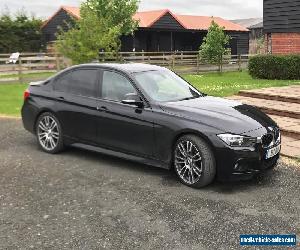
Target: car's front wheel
(49, 133)
(194, 161)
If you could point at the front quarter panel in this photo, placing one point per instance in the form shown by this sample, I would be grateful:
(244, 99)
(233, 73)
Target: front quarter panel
(169, 127)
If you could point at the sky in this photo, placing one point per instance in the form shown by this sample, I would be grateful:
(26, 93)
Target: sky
(228, 9)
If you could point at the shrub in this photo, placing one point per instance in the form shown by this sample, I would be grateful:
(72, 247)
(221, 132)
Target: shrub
(20, 33)
(275, 67)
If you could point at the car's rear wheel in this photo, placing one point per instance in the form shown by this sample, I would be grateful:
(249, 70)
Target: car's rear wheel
(194, 161)
(49, 133)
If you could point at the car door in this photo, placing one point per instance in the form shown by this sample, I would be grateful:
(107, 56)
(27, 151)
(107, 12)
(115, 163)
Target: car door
(76, 93)
(123, 127)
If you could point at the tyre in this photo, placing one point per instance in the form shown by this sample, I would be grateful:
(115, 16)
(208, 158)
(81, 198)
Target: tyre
(49, 133)
(194, 161)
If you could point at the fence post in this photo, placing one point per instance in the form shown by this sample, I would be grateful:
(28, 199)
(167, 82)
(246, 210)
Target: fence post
(240, 62)
(221, 65)
(173, 61)
(198, 64)
(117, 57)
(20, 69)
(57, 62)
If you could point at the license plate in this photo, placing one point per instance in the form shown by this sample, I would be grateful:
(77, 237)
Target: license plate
(272, 152)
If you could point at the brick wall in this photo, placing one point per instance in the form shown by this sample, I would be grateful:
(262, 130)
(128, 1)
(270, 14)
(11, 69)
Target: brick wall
(285, 43)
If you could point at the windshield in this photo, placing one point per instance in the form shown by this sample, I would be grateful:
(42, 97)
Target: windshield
(165, 86)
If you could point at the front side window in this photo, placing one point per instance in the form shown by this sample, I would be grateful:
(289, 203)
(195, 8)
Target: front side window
(116, 87)
(165, 86)
(79, 82)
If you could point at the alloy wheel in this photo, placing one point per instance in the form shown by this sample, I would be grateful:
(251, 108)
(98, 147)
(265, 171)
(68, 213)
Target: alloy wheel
(188, 162)
(48, 133)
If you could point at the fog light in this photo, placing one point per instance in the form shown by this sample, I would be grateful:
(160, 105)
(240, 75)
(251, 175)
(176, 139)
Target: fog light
(241, 166)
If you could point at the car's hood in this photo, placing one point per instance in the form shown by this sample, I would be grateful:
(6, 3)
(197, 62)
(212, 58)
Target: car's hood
(225, 115)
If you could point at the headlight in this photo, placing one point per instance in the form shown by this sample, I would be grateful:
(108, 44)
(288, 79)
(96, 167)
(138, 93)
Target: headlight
(238, 140)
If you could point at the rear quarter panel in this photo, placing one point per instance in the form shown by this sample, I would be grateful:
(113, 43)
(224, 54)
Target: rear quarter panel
(39, 101)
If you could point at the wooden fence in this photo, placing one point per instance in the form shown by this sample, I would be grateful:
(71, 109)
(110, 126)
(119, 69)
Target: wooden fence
(181, 62)
(30, 63)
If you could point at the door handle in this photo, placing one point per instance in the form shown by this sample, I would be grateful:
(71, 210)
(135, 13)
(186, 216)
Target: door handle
(102, 109)
(61, 98)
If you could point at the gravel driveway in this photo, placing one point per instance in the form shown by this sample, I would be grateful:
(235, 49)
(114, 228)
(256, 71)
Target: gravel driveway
(85, 200)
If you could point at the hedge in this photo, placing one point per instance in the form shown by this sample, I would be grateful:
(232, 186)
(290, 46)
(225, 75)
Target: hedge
(275, 67)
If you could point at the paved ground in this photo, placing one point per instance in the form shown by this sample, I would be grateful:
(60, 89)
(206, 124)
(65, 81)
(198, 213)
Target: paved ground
(290, 147)
(84, 200)
(289, 93)
(289, 124)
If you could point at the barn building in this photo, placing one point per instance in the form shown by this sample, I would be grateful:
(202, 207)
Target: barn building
(160, 30)
(282, 26)
(256, 35)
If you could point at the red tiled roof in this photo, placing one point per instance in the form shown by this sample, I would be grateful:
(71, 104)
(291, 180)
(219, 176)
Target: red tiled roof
(74, 11)
(147, 18)
(204, 22)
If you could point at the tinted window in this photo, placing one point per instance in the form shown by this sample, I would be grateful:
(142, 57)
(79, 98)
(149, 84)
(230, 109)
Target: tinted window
(80, 82)
(115, 86)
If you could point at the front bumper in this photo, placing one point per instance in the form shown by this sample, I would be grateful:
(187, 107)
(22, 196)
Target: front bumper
(234, 164)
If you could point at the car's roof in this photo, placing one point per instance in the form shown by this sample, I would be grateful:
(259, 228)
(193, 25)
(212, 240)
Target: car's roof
(127, 67)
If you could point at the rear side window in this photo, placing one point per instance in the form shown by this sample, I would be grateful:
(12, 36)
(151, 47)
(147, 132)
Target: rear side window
(79, 82)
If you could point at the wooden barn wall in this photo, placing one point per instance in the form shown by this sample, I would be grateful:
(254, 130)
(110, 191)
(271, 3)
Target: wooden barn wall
(281, 16)
(167, 22)
(158, 40)
(59, 20)
(242, 41)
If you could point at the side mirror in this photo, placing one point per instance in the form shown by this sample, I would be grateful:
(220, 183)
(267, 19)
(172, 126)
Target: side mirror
(133, 100)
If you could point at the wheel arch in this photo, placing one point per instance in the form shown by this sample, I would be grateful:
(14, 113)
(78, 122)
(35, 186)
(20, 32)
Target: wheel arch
(42, 111)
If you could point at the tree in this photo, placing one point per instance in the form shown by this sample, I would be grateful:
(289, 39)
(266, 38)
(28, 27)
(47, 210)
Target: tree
(214, 45)
(20, 33)
(101, 25)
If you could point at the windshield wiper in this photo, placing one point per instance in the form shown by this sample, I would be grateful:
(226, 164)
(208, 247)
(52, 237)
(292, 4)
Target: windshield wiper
(188, 98)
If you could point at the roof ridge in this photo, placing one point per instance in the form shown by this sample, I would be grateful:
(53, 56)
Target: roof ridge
(193, 15)
(69, 6)
(158, 10)
(250, 18)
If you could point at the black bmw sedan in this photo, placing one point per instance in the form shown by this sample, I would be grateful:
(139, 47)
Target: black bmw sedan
(149, 114)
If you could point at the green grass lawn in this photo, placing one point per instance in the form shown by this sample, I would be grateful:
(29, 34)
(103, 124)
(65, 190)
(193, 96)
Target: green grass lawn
(226, 84)
(11, 98)
(230, 83)
(11, 94)
(30, 75)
